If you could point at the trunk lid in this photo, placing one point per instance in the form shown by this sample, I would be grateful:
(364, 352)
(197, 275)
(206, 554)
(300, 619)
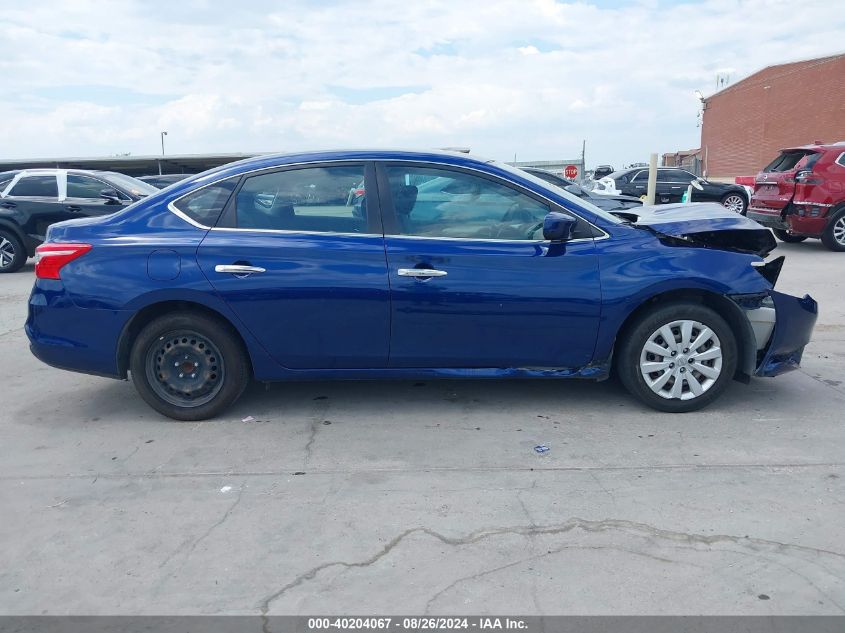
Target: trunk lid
(774, 187)
(703, 224)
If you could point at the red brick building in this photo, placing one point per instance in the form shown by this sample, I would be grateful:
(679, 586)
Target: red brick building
(745, 124)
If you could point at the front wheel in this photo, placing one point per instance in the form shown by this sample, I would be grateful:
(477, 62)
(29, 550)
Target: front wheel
(789, 238)
(188, 366)
(735, 202)
(678, 357)
(834, 233)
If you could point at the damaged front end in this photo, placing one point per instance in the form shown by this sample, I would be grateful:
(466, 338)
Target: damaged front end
(777, 326)
(703, 224)
(780, 325)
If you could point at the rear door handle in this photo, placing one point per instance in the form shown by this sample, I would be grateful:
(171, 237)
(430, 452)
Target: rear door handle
(421, 272)
(238, 269)
(8, 205)
(73, 208)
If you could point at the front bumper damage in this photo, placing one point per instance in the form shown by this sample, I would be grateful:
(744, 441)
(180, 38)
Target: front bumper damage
(794, 321)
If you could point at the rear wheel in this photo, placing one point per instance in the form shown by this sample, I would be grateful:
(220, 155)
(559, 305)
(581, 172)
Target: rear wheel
(834, 233)
(735, 202)
(678, 357)
(188, 366)
(789, 238)
(12, 252)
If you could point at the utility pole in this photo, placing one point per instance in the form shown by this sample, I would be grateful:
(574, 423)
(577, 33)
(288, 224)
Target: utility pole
(163, 134)
(652, 179)
(583, 162)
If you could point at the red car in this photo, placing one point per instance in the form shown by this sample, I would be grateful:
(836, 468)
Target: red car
(801, 194)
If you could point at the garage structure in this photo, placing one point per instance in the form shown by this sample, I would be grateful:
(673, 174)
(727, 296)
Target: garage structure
(745, 124)
(133, 165)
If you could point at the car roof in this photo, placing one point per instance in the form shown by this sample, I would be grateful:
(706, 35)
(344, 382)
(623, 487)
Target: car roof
(815, 146)
(268, 161)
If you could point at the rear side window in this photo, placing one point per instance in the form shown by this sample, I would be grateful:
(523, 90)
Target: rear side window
(36, 187)
(84, 187)
(787, 161)
(841, 159)
(313, 199)
(205, 205)
(674, 175)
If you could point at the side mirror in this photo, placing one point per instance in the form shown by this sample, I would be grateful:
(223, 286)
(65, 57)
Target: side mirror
(557, 227)
(698, 182)
(110, 195)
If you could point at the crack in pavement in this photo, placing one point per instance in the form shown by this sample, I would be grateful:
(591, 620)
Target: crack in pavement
(320, 410)
(822, 381)
(529, 559)
(682, 538)
(192, 546)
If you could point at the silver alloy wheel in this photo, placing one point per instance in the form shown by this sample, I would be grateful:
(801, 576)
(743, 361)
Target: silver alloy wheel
(734, 203)
(681, 360)
(7, 253)
(839, 231)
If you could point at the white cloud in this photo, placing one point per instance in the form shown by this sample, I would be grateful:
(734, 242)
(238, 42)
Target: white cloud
(503, 77)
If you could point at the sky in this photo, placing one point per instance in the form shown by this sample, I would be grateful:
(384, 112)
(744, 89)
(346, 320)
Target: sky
(524, 78)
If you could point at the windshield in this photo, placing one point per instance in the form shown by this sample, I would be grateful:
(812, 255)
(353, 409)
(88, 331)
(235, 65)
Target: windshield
(132, 185)
(619, 175)
(579, 202)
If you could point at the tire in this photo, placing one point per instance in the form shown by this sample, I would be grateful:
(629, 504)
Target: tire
(189, 366)
(12, 252)
(833, 236)
(680, 318)
(735, 202)
(789, 238)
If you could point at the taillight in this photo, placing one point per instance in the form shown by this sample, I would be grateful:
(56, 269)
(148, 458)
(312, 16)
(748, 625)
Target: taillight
(806, 177)
(51, 258)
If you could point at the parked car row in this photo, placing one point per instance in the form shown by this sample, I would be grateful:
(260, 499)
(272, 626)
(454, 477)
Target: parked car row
(439, 264)
(33, 199)
(672, 184)
(606, 202)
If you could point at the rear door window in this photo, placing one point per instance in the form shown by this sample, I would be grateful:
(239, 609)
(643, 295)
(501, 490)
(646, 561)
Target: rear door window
(85, 187)
(674, 176)
(329, 199)
(42, 186)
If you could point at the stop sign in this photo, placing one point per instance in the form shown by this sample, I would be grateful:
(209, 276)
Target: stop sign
(571, 171)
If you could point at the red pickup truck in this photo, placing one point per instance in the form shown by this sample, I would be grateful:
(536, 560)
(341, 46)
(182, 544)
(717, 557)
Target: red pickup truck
(801, 194)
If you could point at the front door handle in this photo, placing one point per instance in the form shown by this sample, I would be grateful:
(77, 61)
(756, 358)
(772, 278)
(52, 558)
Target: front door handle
(238, 269)
(8, 205)
(421, 272)
(73, 208)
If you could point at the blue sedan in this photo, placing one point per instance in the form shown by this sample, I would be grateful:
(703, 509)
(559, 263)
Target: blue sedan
(440, 265)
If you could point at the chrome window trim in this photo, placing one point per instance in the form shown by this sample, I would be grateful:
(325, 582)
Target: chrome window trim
(404, 237)
(172, 208)
(228, 229)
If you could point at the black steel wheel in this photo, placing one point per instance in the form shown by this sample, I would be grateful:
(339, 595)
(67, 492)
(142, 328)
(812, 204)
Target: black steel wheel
(189, 366)
(185, 368)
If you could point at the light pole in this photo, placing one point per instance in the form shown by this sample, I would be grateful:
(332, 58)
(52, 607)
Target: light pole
(163, 134)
